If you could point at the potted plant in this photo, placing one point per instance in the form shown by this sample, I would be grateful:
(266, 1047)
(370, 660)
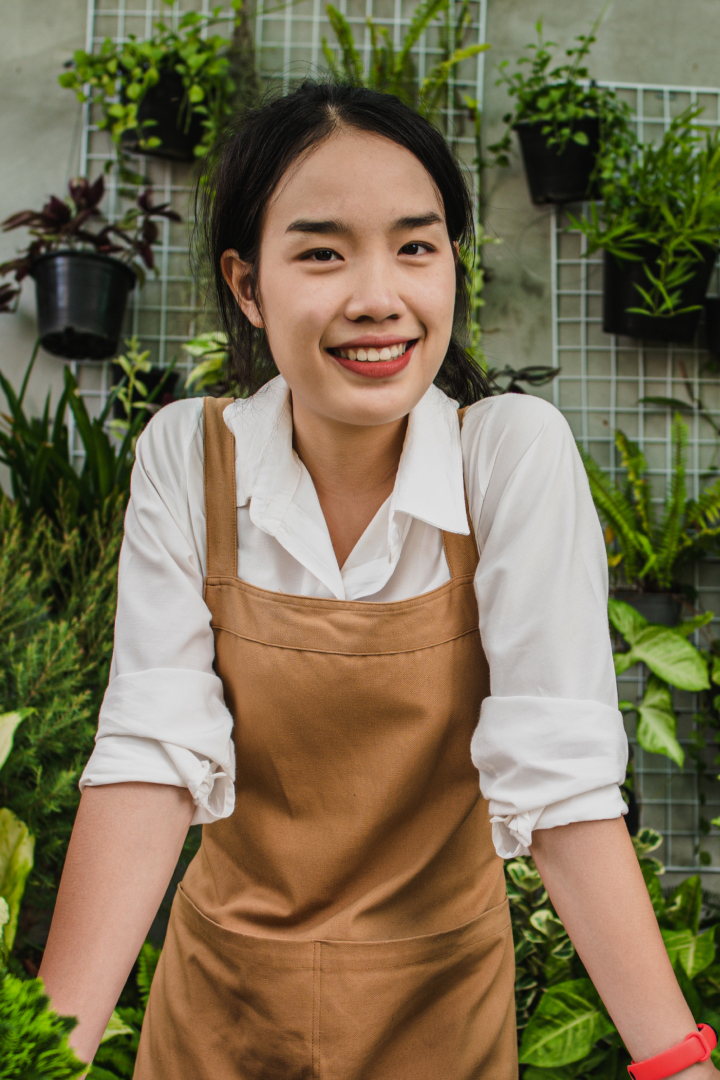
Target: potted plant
(561, 120)
(646, 554)
(658, 226)
(83, 277)
(168, 96)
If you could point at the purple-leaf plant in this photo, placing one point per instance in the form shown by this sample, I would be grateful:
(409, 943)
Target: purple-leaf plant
(67, 225)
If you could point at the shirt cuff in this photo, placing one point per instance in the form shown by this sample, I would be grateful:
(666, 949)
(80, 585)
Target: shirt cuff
(167, 726)
(545, 762)
(512, 835)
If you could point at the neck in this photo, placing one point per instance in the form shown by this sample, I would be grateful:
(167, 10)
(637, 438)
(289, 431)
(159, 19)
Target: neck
(352, 467)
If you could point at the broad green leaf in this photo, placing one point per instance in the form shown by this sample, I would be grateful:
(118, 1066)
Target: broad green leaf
(565, 1026)
(623, 661)
(694, 951)
(17, 847)
(685, 904)
(645, 841)
(715, 676)
(689, 626)
(657, 722)
(581, 138)
(627, 619)
(4, 912)
(671, 658)
(116, 1027)
(9, 723)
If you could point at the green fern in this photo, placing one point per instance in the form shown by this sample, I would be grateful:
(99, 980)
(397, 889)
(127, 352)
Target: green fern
(147, 964)
(672, 538)
(33, 1038)
(644, 552)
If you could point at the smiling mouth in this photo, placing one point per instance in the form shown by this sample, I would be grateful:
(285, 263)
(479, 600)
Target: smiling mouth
(373, 356)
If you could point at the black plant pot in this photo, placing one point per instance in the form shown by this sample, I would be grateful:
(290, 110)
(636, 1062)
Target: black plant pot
(81, 300)
(151, 380)
(166, 104)
(620, 293)
(712, 325)
(553, 177)
(660, 608)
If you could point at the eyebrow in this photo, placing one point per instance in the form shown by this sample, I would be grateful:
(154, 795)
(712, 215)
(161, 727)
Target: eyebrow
(331, 227)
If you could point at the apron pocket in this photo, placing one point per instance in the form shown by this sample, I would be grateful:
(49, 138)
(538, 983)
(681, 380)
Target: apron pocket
(229, 1006)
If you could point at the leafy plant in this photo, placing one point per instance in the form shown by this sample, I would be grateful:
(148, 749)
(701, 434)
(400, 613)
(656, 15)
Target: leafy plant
(661, 207)
(16, 848)
(565, 1031)
(393, 71)
(132, 394)
(558, 97)
(63, 225)
(36, 450)
(117, 78)
(673, 662)
(33, 1038)
(643, 550)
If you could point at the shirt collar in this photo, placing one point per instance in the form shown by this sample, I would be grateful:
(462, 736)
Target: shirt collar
(429, 484)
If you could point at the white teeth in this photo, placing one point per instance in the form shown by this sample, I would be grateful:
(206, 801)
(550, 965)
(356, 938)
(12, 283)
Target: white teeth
(385, 354)
(394, 352)
(361, 354)
(373, 355)
(351, 354)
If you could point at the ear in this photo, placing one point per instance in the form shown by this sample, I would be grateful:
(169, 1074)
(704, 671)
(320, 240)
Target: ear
(237, 275)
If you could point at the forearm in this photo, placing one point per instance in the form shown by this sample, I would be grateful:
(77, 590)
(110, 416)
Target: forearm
(124, 848)
(594, 881)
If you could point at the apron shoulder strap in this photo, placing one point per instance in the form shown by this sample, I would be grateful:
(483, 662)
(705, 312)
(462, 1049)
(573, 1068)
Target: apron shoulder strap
(219, 486)
(461, 551)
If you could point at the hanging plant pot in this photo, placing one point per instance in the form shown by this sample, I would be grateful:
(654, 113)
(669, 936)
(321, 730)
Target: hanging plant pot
(712, 325)
(81, 300)
(660, 608)
(563, 177)
(166, 104)
(620, 293)
(151, 380)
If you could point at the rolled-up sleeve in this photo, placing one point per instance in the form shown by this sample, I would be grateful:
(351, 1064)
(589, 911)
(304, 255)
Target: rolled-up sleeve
(163, 719)
(550, 745)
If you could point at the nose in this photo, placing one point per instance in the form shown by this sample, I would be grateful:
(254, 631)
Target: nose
(374, 293)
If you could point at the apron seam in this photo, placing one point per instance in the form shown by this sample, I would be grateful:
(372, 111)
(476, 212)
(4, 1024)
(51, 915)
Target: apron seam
(340, 652)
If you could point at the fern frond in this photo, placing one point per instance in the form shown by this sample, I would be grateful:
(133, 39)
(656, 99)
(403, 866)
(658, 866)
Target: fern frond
(351, 60)
(617, 512)
(672, 536)
(422, 17)
(635, 465)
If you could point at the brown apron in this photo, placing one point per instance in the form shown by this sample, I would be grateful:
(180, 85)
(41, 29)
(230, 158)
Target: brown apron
(349, 920)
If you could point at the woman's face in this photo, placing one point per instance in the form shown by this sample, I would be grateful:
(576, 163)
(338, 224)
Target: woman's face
(356, 281)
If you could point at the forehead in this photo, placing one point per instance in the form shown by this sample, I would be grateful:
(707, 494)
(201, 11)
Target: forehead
(355, 175)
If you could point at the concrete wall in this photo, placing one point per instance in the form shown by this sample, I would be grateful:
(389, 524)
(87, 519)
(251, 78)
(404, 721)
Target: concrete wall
(640, 41)
(40, 139)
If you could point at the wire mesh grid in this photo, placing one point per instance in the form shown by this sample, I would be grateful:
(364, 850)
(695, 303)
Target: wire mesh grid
(168, 310)
(602, 379)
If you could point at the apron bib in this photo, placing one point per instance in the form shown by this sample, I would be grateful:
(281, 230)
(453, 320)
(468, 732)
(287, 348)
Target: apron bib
(349, 920)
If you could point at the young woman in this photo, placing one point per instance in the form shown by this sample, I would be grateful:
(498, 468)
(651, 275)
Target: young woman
(339, 602)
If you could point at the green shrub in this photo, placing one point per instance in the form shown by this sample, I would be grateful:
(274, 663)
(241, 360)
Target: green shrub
(33, 1038)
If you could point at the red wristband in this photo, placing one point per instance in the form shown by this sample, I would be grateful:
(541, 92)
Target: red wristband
(697, 1046)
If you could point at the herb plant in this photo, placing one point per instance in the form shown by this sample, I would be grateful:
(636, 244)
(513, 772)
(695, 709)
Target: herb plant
(393, 71)
(64, 225)
(117, 78)
(646, 552)
(558, 97)
(660, 206)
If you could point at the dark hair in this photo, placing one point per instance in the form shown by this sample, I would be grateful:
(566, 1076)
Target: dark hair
(246, 167)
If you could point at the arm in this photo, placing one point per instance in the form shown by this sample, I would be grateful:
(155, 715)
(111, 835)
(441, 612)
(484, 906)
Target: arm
(593, 878)
(124, 847)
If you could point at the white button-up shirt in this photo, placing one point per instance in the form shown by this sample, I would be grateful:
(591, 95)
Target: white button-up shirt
(549, 746)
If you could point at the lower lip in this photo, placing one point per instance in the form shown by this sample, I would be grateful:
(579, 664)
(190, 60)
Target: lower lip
(377, 369)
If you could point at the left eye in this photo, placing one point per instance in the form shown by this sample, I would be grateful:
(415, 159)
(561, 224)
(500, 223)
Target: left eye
(415, 248)
(322, 255)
